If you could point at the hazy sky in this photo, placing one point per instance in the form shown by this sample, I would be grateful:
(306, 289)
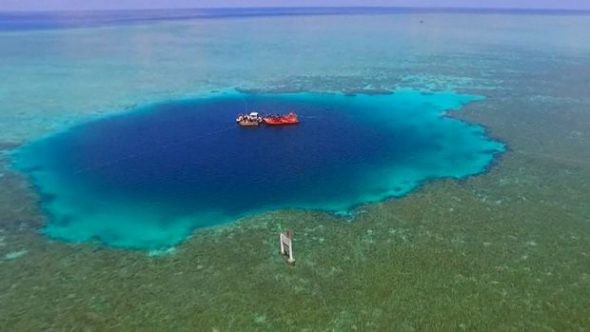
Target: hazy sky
(6, 5)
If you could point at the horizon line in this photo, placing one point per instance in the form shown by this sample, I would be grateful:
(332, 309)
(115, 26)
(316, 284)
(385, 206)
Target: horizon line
(262, 8)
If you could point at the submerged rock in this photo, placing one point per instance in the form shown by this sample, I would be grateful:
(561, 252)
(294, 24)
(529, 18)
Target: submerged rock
(15, 254)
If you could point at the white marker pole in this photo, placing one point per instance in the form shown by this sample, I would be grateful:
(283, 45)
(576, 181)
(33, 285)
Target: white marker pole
(282, 243)
(285, 240)
(291, 260)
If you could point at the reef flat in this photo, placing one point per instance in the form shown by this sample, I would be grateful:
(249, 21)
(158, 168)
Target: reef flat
(506, 250)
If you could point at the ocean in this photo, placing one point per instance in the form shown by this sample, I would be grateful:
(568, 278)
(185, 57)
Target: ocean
(438, 178)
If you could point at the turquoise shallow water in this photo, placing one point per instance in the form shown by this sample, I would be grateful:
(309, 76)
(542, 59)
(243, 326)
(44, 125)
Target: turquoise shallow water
(148, 178)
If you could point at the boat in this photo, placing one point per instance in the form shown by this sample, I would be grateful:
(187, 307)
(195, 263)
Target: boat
(249, 120)
(281, 120)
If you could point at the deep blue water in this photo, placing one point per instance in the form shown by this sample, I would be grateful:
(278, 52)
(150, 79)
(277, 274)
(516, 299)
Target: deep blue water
(146, 179)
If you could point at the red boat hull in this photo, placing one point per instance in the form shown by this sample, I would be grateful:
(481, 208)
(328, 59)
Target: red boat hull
(281, 120)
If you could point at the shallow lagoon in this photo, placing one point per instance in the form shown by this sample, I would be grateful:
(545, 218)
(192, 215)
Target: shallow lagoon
(148, 178)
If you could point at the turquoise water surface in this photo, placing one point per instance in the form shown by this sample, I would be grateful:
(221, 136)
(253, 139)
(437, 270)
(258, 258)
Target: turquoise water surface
(148, 178)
